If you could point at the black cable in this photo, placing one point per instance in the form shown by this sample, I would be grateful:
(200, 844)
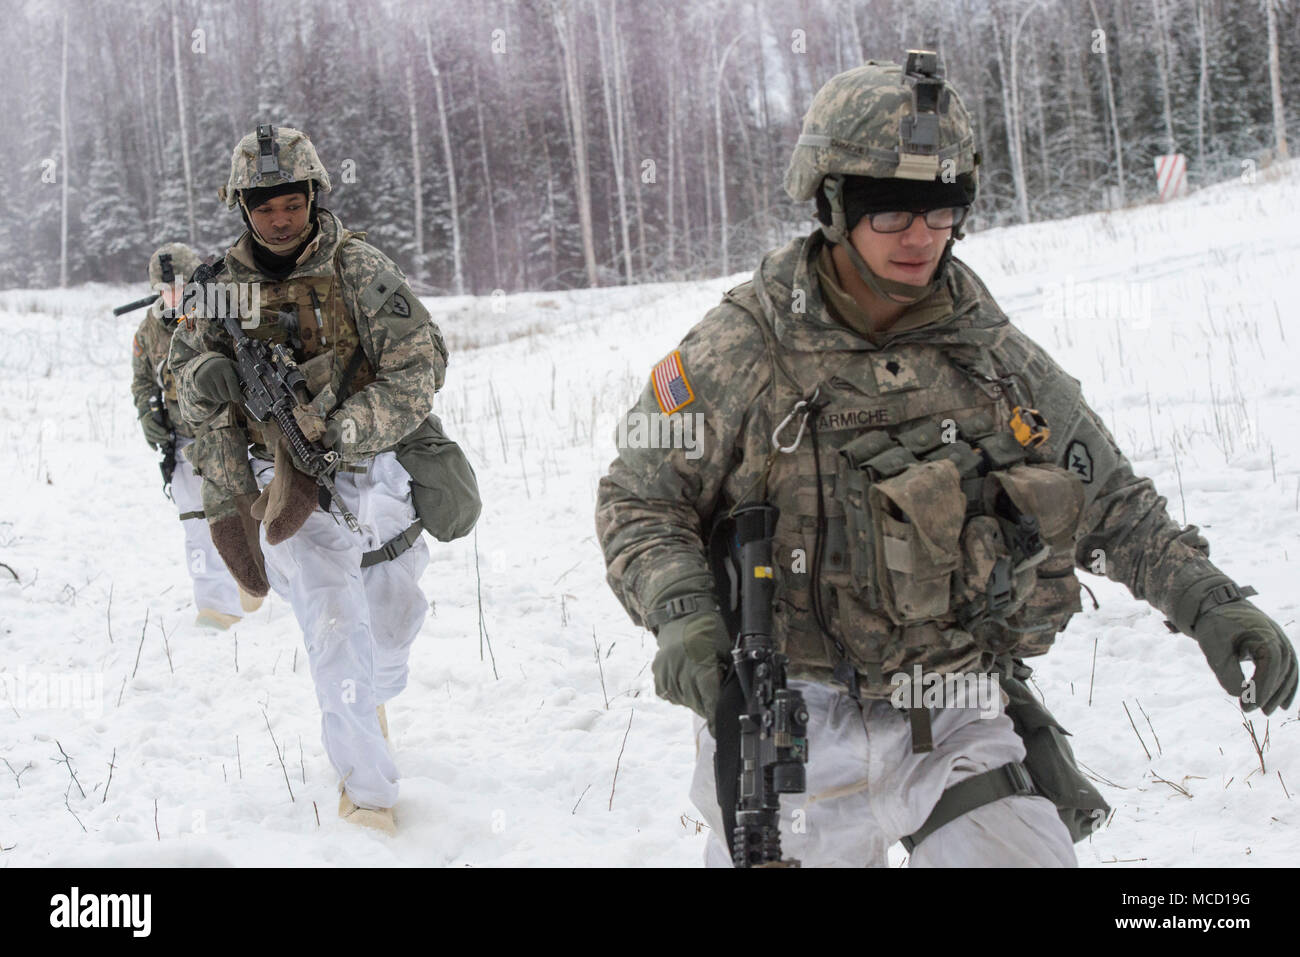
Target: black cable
(842, 669)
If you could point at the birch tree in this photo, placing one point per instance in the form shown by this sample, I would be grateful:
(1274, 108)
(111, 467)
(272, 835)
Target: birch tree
(182, 120)
(563, 19)
(1100, 45)
(453, 200)
(1275, 82)
(417, 188)
(63, 159)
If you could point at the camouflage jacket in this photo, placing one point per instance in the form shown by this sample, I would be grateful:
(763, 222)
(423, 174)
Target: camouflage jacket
(403, 349)
(657, 505)
(150, 373)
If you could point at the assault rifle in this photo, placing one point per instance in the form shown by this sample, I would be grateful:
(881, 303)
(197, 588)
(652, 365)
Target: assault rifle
(273, 386)
(168, 464)
(774, 722)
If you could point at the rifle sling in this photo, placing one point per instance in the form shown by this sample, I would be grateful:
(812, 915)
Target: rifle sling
(350, 370)
(354, 363)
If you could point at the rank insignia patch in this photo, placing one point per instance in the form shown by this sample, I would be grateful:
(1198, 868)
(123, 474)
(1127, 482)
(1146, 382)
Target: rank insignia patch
(893, 374)
(670, 385)
(1079, 460)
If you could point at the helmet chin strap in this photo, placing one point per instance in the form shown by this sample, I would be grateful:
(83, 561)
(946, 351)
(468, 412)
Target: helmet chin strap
(889, 290)
(289, 246)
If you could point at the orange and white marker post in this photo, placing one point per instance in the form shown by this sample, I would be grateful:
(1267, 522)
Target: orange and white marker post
(1171, 176)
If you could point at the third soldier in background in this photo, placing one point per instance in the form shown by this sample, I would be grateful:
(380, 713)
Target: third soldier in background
(219, 600)
(938, 477)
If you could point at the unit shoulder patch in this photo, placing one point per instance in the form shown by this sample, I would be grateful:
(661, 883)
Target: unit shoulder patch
(1079, 460)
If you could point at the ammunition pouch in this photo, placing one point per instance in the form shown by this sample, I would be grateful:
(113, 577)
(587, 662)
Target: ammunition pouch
(962, 532)
(916, 523)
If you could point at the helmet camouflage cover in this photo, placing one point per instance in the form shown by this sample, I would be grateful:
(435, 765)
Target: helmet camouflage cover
(269, 156)
(881, 121)
(183, 261)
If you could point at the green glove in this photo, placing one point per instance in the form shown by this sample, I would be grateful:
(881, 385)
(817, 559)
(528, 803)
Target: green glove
(155, 433)
(216, 379)
(1237, 631)
(694, 653)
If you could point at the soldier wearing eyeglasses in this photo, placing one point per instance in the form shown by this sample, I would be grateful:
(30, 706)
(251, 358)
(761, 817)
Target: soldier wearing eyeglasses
(939, 478)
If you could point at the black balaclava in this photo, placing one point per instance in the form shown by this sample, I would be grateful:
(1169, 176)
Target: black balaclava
(856, 196)
(272, 263)
(866, 194)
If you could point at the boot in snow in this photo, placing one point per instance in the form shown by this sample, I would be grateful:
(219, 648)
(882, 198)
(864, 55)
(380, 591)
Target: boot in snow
(379, 819)
(250, 603)
(219, 621)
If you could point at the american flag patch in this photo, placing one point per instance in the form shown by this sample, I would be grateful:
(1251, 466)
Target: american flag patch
(671, 388)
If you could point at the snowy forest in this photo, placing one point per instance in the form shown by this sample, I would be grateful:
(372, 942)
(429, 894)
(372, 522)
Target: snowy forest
(548, 144)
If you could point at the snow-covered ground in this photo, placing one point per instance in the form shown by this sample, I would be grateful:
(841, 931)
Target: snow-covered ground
(1179, 320)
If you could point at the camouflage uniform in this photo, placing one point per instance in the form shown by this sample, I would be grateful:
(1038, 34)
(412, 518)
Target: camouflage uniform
(655, 505)
(214, 589)
(346, 305)
(363, 298)
(908, 539)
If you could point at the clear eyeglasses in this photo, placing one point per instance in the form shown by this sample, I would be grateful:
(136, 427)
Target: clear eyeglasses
(896, 221)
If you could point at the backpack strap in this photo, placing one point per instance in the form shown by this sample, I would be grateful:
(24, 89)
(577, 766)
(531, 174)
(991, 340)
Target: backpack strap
(350, 370)
(359, 353)
(756, 312)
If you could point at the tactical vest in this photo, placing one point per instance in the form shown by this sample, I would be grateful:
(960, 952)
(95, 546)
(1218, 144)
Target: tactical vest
(308, 315)
(162, 373)
(945, 541)
(157, 342)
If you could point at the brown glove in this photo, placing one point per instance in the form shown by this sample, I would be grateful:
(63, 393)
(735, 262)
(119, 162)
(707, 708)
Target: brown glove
(288, 501)
(234, 534)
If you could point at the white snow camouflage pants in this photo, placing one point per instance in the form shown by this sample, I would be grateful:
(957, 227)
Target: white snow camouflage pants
(357, 623)
(866, 790)
(213, 586)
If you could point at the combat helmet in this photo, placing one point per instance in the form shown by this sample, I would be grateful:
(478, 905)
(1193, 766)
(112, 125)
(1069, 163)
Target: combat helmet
(884, 121)
(170, 262)
(272, 156)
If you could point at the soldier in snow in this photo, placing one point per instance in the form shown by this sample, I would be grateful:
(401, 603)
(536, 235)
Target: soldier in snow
(373, 360)
(219, 600)
(938, 476)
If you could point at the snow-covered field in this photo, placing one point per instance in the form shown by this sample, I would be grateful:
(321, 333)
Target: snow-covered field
(1179, 320)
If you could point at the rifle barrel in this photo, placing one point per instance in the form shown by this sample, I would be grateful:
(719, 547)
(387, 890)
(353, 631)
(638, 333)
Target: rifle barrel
(138, 304)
